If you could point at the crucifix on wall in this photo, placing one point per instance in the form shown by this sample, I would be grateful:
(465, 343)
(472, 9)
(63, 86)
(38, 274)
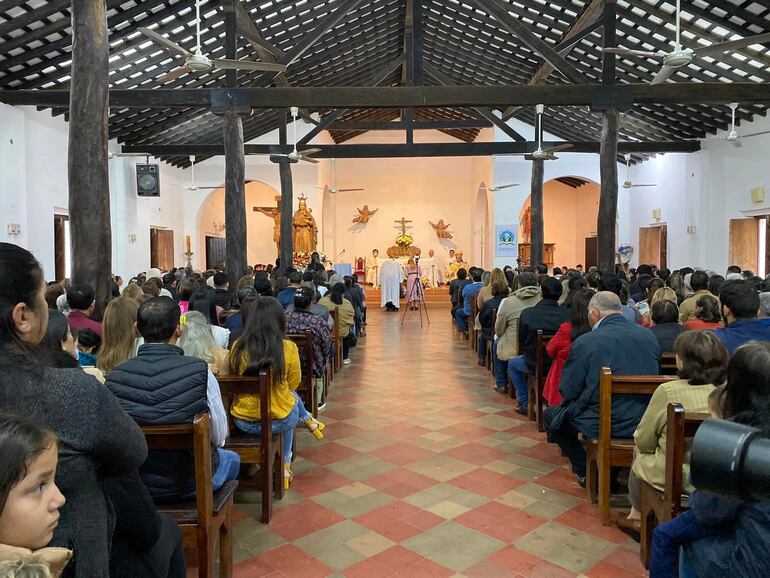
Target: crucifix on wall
(402, 225)
(275, 214)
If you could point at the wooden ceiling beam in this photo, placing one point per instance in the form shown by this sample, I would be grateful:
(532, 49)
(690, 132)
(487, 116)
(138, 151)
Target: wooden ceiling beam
(418, 125)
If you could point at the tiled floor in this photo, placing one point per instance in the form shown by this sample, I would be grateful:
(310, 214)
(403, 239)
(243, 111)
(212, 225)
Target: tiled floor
(427, 472)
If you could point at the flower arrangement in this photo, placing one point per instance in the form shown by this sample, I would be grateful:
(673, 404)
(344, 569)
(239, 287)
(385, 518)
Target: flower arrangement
(404, 240)
(300, 259)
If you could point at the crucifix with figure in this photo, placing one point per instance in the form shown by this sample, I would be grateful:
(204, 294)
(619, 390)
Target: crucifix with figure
(275, 214)
(402, 225)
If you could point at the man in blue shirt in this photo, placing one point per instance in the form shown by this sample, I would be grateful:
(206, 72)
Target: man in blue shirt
(740, 304)
(286, 297)
(471, 289)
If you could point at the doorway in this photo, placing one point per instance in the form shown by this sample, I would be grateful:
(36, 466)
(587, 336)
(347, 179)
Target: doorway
(61, 246)
(592, 252)
(161, 249)
(653, 245)
(216, 252)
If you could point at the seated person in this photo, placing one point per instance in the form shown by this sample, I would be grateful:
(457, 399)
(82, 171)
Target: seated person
(456, 290)
(724, 536)
(526, 294)
(547, 315)
(82, 302)
(614, 342)
(740, 304)
(699, 281)
(222, 295)
(286, 296)
(301, 320)
(665, 319)
(468, 292)
(161, 385)
(559, 347)
(335, 299)
(498, 292)
(701, 361)
(707, 314)
(262, 345)
(612, 283)
(29, 499)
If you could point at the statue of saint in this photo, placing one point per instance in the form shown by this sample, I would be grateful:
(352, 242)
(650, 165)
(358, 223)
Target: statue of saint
(364, 214)
(526, 225)
(276, 216)
(441, 229)
(305, 229)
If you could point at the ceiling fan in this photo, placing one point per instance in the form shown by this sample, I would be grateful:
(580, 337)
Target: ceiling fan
(297, 155)
(333, 189)
(733, 137)
(501, 187)
(540, 153)
(628, 184)
(680, 56)
(197, 61)
(192, 186)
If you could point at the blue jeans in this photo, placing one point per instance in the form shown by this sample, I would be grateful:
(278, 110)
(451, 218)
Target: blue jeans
(666, 542)
(517, 370)
(501, 368)
(462, 320)
(283, 426)
(229, 466)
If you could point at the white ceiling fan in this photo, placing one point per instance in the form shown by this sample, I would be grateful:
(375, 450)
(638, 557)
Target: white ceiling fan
(680, 56)
(733, 137)
(501, 187)
(333, 188)
(540, 153)
(192, 186)
(297, 155)
(628, 184)
(197, 61)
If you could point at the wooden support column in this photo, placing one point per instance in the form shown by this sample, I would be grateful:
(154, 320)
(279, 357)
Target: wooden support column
(89, 186)
(608, 155)
(536, 237)
(236, 238)
(286, 249)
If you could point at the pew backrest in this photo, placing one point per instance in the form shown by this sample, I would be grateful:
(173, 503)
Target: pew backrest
(681, 426)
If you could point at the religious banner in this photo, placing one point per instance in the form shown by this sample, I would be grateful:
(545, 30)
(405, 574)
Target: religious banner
(505, 240)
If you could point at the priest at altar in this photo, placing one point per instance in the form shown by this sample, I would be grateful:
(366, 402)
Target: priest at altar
(372, 267)
(431, 270)
(456, 266)
(391, 276)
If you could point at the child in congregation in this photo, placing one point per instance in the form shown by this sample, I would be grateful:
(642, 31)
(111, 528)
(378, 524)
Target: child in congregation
(29, 500)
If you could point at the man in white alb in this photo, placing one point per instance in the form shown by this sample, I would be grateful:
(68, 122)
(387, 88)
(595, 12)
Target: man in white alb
(372, 268)
(391, 276)
(430, 268)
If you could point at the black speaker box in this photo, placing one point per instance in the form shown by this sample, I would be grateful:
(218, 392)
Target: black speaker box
(147, 180)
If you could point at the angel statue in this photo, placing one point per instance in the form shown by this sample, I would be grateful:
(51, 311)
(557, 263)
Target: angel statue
(441, 229)
(364, 214)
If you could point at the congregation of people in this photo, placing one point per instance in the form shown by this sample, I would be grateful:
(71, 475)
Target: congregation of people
(78, 485)
(716, 327)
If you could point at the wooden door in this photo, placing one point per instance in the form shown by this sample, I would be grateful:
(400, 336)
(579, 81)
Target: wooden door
(216, 253)
(161, 249)
(744, 243)
(592, 253)
(59, 246)
(652, 245)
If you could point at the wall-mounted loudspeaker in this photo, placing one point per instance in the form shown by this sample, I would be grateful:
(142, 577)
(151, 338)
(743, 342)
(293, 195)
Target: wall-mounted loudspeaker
(147, 180)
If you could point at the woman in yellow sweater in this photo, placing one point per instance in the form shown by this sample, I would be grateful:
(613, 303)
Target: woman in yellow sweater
(335, 299)
(262, 345)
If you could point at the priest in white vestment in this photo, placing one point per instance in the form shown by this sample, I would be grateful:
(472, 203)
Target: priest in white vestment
(431, 269)
(372, 265)
(390, 284)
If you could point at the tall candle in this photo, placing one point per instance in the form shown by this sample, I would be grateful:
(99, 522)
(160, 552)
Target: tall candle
(187, 242)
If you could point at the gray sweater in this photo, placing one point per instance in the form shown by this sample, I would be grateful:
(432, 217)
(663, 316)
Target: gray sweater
(96, 439)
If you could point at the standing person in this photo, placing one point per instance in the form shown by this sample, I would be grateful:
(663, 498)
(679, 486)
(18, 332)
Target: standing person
(412, 277)
(390, 284)
(315, 262)
(94, 433)
(372, 266)
(263, 346)
(222, 295)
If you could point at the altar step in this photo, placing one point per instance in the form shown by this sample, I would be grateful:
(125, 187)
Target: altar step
(437, 297)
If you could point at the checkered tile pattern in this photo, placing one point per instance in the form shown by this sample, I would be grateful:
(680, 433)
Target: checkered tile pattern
(425, 471)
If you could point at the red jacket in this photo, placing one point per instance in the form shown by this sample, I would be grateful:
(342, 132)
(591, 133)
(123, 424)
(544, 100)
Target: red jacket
(80, 321)
(558, 349)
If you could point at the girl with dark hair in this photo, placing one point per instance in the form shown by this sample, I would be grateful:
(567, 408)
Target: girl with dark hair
(335, 299)
(701, 362)
(93, 431)
(574, 284)
(723, 536)
(560, 345)
(315, 262)
(262, 345)
(29, 500)
(708, 314)
(59, 342)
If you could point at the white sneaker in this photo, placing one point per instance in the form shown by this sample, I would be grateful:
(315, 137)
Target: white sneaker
(346, 361)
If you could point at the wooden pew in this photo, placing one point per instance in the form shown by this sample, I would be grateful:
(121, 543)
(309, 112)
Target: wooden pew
(473, 337)
(668, 364)
(491, 343)
(306, 389)
(206, 518)
(536, 382)
(608, 452)
(657, 506)
(336, 340)
(266, 450)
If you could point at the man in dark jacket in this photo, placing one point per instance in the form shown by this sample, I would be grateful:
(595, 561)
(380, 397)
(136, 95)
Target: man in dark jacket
(161, 385)
(286, 296)
(547, 315)
(740, 304)
(665, 316)
(222, 296)
(456, 290)
(614, 342)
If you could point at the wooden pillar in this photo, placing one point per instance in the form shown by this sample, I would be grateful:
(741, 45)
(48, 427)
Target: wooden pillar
(536, 237)
(236, 239)
(608, 200)
(89, 186)
(287, 210)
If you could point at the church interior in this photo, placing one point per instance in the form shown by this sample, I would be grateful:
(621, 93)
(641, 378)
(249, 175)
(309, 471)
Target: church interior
(226, 137)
